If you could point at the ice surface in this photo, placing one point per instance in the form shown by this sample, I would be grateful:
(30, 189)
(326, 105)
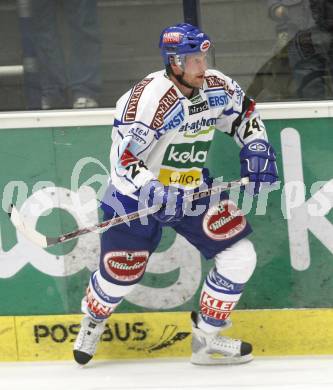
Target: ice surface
(296, 373)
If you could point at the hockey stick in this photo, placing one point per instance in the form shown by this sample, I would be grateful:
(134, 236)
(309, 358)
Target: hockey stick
(45, 241)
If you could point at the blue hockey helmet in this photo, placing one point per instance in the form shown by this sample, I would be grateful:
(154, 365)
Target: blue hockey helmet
(183, 38)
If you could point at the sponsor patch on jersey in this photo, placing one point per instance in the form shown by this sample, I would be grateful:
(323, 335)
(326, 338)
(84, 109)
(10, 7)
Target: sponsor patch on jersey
(223, 221)
(217, 82)
(126, 266)
(172, 121)
(218, 100)
(197, 108)
(196, 99)
(215, 308)
(139, 134)
(191, 178)
(166, 102)
(186, 155)
(194, 134)
(133, 101)
(200, 126)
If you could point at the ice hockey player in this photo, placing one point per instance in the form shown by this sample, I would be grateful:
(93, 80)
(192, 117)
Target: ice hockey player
(162, 131)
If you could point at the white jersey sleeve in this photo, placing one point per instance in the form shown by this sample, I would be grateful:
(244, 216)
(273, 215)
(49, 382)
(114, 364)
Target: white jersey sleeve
(134, 135)
(239, 118)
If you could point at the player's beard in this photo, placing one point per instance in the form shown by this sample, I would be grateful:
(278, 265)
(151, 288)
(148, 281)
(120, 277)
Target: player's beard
(180, 78)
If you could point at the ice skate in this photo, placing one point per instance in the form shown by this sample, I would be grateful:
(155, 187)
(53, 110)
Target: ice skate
(86, 342)
(212, 348)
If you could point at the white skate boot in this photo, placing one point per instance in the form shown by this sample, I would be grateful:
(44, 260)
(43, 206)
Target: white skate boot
(86, 342)
(211, 348)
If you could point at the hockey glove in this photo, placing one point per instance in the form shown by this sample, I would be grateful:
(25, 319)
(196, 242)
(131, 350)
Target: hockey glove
(169, 197)
(258, 163)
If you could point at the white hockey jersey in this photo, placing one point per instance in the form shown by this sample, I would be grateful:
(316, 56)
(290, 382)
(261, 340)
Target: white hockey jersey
(159, 133)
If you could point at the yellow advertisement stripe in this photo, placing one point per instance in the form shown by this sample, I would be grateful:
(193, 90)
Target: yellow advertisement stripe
(150, 335)
(286, 332)
(139, 335)
(190, 178)
(8, 350)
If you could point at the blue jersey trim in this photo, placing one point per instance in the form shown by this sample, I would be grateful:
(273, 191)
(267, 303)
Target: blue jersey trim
(220, 290)
(104, 297)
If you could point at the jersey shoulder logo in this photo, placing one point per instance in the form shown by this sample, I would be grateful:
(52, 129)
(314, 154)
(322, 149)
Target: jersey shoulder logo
(166, 102)
(133, 101)
(217, 82)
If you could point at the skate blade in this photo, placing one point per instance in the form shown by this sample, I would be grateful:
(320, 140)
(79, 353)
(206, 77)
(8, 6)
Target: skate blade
(211, 360)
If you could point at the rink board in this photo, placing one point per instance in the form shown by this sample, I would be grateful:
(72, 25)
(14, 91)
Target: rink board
(294, 270)
(295, 255)
(158, 335)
